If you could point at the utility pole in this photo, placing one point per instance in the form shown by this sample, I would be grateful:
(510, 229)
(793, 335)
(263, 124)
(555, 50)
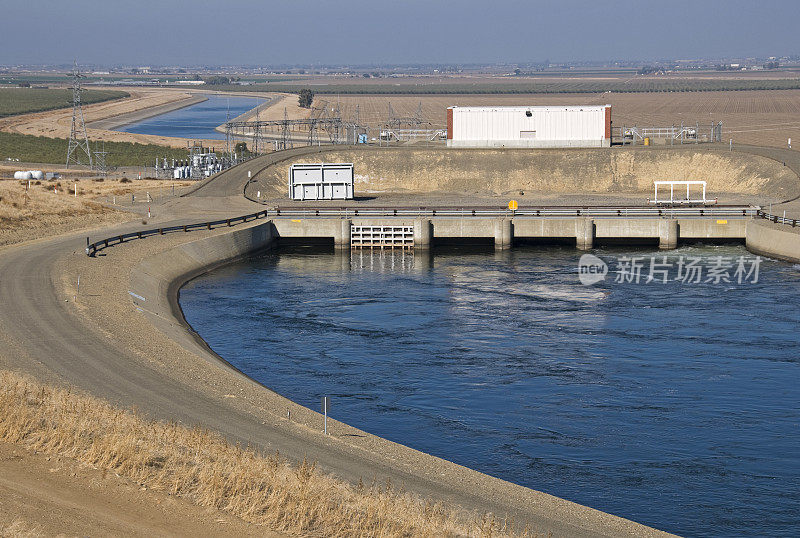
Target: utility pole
(77, 135)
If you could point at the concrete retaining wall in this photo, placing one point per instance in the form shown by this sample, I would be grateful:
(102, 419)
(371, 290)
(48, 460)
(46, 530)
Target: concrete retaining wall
(773, 240)
(156, 281)
(507, 171)
(667, 231)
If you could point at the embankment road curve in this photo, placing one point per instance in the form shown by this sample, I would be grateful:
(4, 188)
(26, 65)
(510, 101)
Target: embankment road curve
(42, 332)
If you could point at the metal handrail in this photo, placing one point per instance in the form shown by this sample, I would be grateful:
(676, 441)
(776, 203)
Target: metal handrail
(552, 211)
(92, 248)
(776, 219)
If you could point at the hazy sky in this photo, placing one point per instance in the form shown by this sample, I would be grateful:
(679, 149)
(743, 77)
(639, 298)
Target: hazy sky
(216, 32)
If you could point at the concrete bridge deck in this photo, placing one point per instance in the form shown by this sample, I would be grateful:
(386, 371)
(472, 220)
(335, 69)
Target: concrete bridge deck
(584, 225)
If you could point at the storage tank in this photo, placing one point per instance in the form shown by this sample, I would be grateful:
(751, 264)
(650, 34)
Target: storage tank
(37, 174)
(22, 175)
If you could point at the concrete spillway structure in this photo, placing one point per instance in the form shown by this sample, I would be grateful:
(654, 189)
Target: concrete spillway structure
(504, 231)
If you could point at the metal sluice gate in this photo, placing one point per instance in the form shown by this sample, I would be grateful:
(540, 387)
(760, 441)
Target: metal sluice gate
(382, 237)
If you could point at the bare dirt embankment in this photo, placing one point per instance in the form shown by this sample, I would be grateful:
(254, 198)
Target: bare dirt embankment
(495, 172)
(56, 123)
(48, 208)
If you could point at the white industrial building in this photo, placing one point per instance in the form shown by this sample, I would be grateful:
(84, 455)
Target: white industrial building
(529, 126)
(321, 181)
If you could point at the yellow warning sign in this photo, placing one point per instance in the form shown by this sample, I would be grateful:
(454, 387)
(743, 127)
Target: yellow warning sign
(722, 222)
(512, 205)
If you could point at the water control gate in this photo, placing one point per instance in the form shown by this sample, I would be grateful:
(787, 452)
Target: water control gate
(382, 237)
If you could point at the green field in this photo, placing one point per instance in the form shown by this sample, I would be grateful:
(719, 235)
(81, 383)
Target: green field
(516, 86)
(40, 149)
(23, 100)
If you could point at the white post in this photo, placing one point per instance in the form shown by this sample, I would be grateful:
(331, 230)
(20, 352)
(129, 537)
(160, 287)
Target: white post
(671, 193)
(731, 145)
(75, 186)
(325, 412)
(687, 191)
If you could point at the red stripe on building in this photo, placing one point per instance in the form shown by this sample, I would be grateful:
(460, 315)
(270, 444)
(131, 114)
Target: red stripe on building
(449, 123)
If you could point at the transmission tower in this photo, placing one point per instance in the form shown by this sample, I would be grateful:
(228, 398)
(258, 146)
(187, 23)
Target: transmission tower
(77, 135)
(100, 159)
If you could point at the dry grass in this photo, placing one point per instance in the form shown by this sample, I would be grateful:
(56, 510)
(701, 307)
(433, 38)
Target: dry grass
(49, 208)
(18, 202)
(19, 529)
(200, 466)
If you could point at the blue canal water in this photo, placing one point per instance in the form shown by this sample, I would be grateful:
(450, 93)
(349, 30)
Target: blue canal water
(195, 121)
(673, 404)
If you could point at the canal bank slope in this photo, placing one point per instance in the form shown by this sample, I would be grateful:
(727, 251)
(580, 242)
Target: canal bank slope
(97, 340)
(530, 176)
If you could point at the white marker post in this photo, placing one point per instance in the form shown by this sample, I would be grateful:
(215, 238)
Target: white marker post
(326, 404)
(76, 190)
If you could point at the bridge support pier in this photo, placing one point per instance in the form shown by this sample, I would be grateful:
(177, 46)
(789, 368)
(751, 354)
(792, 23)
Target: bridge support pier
(668, 234)
(503, 234)
(341, 237)
(584, 234)
(422, 234)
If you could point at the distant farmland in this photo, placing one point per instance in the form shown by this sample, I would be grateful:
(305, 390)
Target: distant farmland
(40, 149)
(522, 85)
(15, 101)
(752, 117)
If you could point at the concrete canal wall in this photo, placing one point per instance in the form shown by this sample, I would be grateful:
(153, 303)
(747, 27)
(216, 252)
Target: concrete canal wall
(504, 231)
